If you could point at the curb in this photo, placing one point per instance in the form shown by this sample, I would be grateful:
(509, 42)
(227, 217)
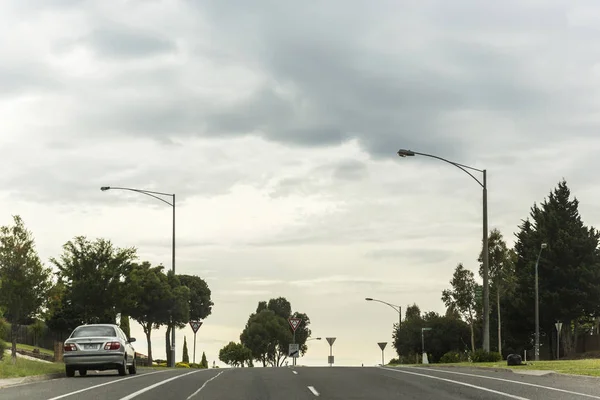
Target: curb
(29, 379)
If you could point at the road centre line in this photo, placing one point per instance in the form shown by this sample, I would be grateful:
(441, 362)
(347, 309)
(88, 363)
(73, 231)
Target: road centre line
(204, 385)
(511, 381)
(144, 390)
(313, 390)
(62, 396)
(459, 383)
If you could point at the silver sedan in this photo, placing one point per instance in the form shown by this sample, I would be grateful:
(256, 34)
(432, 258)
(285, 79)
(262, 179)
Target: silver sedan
(99, 347)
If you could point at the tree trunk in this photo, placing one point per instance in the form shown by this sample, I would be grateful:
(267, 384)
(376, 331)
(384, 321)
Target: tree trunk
(499, 322)
(567, 338)
(149, 342)
(13, 340)
(576, 334)
(472, 337)
(168, 345)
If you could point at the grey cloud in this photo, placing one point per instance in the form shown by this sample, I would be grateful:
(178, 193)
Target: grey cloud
(124, 42)
(34, 77)
(417, 256)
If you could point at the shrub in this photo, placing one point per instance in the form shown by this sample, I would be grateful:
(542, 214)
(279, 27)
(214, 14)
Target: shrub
(394, 361)
(481, 355)
(451, 357)
(182, 365)
(3, 347)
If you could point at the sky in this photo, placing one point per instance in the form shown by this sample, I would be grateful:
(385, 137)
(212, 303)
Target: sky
(276, 124)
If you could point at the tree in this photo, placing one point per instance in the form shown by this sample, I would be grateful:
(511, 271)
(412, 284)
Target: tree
(204, 362)
(235, 354)
(25, 281)
(178, 308)
(124, 325)
(268, 333)
(38, 328)
(186, 356)
(93, 273)
(200, 304)
(463, 297)
(569, 269)
(501, 272)
(148, 293)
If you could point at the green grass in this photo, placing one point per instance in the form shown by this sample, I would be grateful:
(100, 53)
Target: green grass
(30, 348)
(24, 367)
(589, 367)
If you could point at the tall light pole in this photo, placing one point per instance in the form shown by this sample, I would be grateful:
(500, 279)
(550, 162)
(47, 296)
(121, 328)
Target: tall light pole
(486, 284)
(537, 305)
(423, 345)
(172, 204)
(398, 309)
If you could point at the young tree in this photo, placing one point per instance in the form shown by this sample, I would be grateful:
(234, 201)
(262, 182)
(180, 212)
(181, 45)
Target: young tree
(185, 357)
(235, 354)
(204, 362)
(124, 325)
(463, 297)
(148, 293)
(93, 273)
(501, 272)
(200, 304)
(178, 308)
(25, 281)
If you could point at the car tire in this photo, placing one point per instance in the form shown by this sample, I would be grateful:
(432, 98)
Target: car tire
(69, 371)
(123, 368)
(133, 368)
(83, 372)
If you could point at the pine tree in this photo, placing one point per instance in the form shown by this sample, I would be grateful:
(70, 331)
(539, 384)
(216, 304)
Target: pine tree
(204, 362)
(186, 357)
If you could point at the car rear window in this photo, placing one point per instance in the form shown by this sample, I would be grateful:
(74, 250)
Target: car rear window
(89, 331)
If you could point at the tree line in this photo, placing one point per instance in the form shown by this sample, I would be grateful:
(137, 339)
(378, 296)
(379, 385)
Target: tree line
(569, 290)
(267, 336)
(93, 282)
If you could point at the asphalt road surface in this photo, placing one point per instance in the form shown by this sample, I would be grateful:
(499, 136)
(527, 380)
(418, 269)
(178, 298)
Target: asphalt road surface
(306, 383)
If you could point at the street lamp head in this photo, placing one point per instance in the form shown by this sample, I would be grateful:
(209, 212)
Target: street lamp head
(406, 153)
(368, 299)
(544, 245)
(105, 188)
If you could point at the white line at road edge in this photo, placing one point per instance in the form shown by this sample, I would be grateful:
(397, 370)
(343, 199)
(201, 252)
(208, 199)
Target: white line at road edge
(295, 373)
(511, 381)
(459, 383)
(104, 384)
(144, 390)
(203, 386)
(313, 390)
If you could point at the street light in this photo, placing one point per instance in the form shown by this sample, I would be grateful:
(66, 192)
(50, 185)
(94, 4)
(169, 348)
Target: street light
(537, 305)
(398, 309)
(316, 338)
(486, 288)
(172, 204)
(423, 345)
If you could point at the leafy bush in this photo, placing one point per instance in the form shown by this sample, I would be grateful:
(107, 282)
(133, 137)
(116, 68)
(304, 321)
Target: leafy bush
(451, 357)
(481, 355)
(182, 365)
(3, 347)
(394, 361)
(4, 329)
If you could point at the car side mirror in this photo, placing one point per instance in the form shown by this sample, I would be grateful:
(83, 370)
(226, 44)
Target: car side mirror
(131, 340)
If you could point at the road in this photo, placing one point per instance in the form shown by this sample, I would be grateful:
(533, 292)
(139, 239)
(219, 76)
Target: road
(306, 383)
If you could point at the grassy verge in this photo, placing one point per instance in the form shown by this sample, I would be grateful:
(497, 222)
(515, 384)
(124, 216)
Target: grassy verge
(25, 367)
(589, 367)
(30, 348)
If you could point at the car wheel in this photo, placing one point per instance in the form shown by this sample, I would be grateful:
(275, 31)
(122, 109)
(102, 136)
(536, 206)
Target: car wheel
(123, 368)
(133, 368)
(70, 371)
(82, 372)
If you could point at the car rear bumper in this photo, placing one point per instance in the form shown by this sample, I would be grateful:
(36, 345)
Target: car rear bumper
(94, 360)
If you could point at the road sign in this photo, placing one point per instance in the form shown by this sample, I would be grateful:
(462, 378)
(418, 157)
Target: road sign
(382, 345)
(294, 350)
(195, 325)
(558, 326)
(294, 323)
(330, 340)
(330, 360)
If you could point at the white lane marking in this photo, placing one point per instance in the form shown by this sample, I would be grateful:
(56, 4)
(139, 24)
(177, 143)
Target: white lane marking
(460, 383)
(517, 382)
(313, 390)
(203, 386)
(104, 384)
(295, 373)
(144, 390)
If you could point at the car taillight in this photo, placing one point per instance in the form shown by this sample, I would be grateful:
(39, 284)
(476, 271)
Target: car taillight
(70, 347)
(112, 346)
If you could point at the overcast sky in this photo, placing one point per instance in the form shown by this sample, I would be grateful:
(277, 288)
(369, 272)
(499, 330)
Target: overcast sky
(277, 124)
